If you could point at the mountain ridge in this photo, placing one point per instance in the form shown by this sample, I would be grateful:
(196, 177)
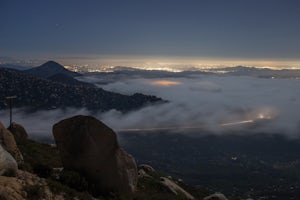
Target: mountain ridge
(41, 94)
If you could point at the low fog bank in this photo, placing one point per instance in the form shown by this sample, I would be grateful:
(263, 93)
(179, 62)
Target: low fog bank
(39, 124)
(199, 105)
(217, 104)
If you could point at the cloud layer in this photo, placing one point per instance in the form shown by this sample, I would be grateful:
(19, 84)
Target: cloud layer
(200, 104)
(210, 101)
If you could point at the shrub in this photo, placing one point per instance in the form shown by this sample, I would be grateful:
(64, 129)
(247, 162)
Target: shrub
(25, 167)
(10, 172)
(34, 192)
(74, 180)
(43, 171)
(58, 188)
(69, 193)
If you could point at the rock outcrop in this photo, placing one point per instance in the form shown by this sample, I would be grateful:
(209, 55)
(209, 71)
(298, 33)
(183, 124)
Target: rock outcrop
(90, 147)
(18, 131)
(8, 142)
(176, 189)
(7, 162)
(26, 186)
(148, 173)
(216, 196)
(146, 168)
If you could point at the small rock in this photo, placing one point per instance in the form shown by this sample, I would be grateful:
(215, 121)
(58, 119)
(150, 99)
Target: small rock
(18, 131)
(142, 173)
(216, 196)
(8, 142)
(6, 161)
(146, 168)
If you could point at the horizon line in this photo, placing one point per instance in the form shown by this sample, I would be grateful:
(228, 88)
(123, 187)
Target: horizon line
(151, 62)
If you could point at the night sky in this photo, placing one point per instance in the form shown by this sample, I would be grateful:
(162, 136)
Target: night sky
(265, 30)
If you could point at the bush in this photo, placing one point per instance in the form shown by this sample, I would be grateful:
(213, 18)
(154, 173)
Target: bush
(10, 172)
(69, 193)
(41, 170)
(58, 188)
(35, 153)
(34, 192)
(74, 180)
(25, 167)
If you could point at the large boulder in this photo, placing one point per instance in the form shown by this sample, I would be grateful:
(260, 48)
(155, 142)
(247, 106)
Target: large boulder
(18, 131)
(8, 142)
(7, 162)
(90, 147)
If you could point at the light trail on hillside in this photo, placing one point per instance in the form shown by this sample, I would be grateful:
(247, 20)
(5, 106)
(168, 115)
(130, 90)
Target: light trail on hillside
(160, 129)
(258, 118)
(175, 128)
(237, 123)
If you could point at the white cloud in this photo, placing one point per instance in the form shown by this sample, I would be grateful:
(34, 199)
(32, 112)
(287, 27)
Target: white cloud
(205, 102)
(208, 101)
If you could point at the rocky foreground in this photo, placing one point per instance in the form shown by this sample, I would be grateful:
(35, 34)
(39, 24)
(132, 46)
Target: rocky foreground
(87, 162)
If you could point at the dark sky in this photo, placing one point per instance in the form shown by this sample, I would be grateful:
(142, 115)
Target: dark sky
(229, 29)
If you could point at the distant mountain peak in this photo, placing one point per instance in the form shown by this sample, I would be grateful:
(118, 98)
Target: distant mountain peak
(52, 63)
(50, 68)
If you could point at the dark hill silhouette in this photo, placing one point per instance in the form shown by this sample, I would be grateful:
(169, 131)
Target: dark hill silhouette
(36, 94)
(49, 69)
(15, 66)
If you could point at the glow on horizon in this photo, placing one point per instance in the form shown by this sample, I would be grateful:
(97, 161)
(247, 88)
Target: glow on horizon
(176, 64)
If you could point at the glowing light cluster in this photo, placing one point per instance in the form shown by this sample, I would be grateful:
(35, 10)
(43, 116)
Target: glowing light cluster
(264, 116)
(165, 83)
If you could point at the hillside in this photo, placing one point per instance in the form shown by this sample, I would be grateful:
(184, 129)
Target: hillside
(35, 94)
(65, 79)
(44, 174)
(259, 166)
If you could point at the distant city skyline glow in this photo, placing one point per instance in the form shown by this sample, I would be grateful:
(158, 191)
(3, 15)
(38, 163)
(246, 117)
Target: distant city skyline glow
(177, 63)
